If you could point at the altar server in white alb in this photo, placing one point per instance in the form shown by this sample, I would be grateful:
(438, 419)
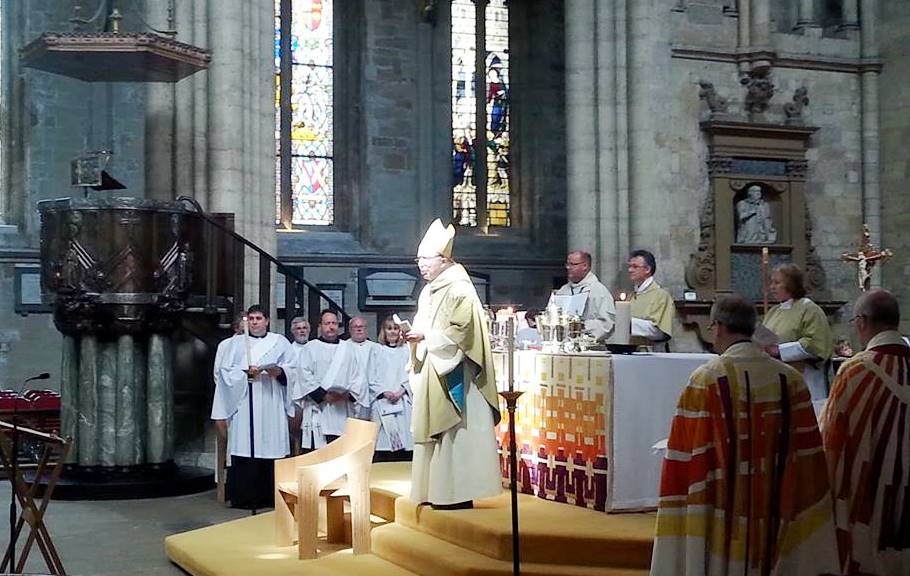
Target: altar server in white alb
(368, 360)
(392, 396)
(455, 403)
(328, 373)
(599, 309)
(267, 359)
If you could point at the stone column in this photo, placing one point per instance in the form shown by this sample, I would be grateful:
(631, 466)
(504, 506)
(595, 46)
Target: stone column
(872, 198)
(743, 30)
(582, 118)
(69, 393)
(159, 439)
(159, 122)
(597, 132)
(760, 23)
(850, 14)
(87, 411)
(241, 123)
(806, 15)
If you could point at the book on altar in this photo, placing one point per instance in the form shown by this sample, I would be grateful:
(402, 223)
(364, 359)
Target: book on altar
(764, 337)
(570, 304)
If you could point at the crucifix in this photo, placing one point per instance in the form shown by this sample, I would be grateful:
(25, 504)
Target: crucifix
(866, 256)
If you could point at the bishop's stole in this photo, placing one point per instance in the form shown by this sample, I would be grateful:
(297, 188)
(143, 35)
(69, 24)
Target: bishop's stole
(744, 488)
(866, 429)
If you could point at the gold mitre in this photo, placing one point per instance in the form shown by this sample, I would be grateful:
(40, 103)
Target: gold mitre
(437, 241)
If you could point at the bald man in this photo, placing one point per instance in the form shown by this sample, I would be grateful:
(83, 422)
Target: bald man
(867, 443)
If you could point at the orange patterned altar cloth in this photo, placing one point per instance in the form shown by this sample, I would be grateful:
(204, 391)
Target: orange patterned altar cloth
(586, 423)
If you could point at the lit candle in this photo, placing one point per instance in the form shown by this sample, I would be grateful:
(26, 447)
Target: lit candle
(622, 328)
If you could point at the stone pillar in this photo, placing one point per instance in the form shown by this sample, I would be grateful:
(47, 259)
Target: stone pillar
(872, 198)
(159, 122)
(582, 119)
(806, 15)
(86, 409)
(597, 132)
(107, 404)
(241, 101)
(850, 14)
(69, 393)
(159, 400)
(743, 31)
(760, 23)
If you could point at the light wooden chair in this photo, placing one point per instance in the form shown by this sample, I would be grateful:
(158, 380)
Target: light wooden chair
(300, 480)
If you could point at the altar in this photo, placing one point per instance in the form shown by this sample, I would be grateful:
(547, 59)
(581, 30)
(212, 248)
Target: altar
(587, 424)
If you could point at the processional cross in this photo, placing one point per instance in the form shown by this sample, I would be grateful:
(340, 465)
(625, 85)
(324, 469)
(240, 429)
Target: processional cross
(866, 256)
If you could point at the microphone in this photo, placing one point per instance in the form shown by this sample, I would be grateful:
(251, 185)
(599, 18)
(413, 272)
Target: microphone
(42, 376)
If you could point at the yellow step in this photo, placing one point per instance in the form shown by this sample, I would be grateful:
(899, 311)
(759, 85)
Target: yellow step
(425, 555)
(550, 532)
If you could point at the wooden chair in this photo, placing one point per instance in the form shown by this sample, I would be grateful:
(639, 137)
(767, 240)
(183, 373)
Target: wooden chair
(300, 480)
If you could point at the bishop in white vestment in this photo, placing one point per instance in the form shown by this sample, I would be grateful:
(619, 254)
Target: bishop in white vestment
(456, 407)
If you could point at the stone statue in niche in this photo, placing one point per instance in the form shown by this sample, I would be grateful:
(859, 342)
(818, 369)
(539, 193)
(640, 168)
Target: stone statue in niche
(754, 224)
(794, 109)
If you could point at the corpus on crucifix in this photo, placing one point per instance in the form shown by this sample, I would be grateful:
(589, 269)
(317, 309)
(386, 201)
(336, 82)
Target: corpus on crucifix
(866, 256)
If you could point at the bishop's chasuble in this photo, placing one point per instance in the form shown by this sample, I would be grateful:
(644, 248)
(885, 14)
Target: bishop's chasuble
(655, 304)
(744, 488)
(455, 402)
(867, 441)
(806, 341)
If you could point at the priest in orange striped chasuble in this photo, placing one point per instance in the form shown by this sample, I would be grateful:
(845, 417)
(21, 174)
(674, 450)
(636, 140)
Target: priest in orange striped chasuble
(744, 488)
(867, 440)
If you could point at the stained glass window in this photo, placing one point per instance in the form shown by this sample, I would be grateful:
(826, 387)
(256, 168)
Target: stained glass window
(482, 184)
(304, 113)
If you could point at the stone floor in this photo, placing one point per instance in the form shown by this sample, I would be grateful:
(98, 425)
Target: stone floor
(120, 536)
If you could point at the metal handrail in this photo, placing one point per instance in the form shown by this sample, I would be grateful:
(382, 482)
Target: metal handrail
(281, 268)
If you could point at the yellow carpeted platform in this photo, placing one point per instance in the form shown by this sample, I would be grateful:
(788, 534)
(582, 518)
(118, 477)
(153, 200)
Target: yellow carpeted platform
(556, 539)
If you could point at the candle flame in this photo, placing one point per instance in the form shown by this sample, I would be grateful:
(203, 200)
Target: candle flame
(622, 296)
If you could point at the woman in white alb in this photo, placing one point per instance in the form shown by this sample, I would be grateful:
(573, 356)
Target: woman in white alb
(391, 405)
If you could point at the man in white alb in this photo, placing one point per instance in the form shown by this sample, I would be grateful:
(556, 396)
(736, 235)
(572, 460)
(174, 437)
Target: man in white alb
(261, 362)
(328, 373)
(599, 310)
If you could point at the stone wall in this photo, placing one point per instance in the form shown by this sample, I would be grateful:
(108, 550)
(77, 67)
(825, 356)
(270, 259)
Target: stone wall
(894, 117)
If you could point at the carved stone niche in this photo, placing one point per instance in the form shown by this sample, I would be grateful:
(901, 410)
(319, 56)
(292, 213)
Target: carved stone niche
(756, 199)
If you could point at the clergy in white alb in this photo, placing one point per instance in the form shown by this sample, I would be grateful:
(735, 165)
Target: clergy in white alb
(368, 361)
(329, 371)
(391, 407)
(261, 362)
(598, 310)
(455, 403)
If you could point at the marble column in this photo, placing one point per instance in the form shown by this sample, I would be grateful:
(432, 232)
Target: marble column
(87, 410)
(159, 400)
(871, 138)
(69, 393)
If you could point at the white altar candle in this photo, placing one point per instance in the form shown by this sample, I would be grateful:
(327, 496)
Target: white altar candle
(623, 326)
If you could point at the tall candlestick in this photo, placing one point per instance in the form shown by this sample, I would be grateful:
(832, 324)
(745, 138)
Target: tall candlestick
(622, 328)
(246, 341)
